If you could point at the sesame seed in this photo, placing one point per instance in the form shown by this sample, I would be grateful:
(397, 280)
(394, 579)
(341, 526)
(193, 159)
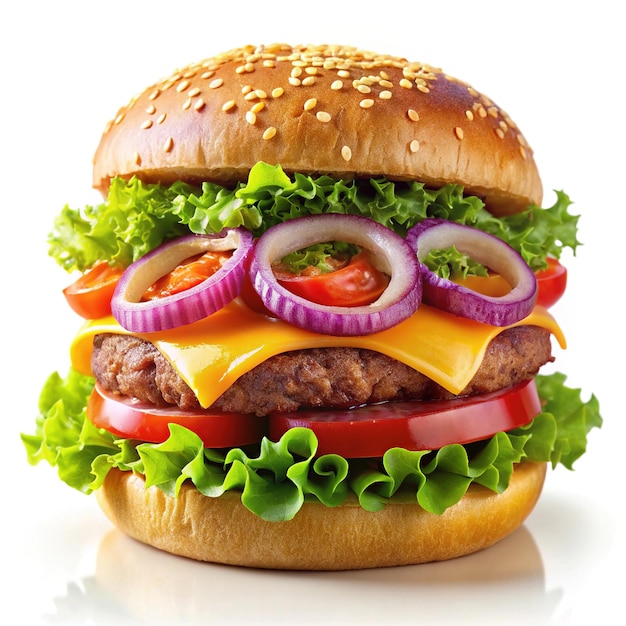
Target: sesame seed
(269, 63)
(192, 93)
(493, 111)
(503, 126)
(251, 117)
(161, 118)
(458, 131)
(386, 83)
(214, 84)
(182, 86)
(473, 92)
(366, 103)
(154, 95)
(308, 81)
(323, 116)
(270, 132)
(207, 75)
(119, 119)
(187, 104)
(522, 152)
(346, 153)
(336, 85)
(385, 95)
(251, 95)
(310, 70)
(311, 103)
(469, 115)
(296, 72)
(151, 109)
(499, 132)
(199, 105)
(257, 107)
(296, 82)
(414, 146)
(260, 94)
(407, 84)
(364, 88)
(277, 92)
(422, 88)
(413, 115)
(246, 89)
(482, 112)
(344, 74)
(168, 145)
(147, 124)
(227, 106)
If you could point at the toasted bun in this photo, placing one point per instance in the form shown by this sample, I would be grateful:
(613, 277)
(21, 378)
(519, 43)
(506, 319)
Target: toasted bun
(320, 110)
(222, 530)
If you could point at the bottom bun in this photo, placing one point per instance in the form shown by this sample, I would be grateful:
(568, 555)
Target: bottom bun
(222, 530)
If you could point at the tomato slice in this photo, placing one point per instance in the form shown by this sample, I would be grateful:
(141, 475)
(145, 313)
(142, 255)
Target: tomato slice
(132, 419)
(551, 282)
(90, 295)
(371, 430)
(357, 283)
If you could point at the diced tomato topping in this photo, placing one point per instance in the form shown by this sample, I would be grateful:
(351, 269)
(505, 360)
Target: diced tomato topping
(188, 274)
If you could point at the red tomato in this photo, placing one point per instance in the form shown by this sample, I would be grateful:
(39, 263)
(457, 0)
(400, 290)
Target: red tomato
(90, 295)
(249, 295)
(188, 274)
(357, 283)
(133, 420)
(370, 431)
(551, 283)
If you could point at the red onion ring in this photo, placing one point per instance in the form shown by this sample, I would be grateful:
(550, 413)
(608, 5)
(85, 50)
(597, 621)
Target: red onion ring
(395, 257)
(187, 306)
(490, 251)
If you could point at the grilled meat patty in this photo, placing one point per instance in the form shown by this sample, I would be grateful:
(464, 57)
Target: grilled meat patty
(330, 377)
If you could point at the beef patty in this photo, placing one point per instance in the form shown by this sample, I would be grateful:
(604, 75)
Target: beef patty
(329, 377)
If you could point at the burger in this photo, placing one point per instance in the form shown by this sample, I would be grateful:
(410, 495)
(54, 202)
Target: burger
(315, 299)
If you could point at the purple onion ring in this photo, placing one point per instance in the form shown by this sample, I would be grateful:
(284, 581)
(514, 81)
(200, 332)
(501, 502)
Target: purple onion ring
(490, 251)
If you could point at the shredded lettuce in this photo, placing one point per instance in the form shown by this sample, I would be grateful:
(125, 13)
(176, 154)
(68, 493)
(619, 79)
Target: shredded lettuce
(276, 478)
(137, 217)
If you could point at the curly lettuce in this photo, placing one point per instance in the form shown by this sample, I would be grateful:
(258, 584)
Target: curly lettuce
(137, 217)
(275, 478)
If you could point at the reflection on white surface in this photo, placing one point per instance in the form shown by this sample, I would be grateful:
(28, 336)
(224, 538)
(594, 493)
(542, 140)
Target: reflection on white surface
(138, 584)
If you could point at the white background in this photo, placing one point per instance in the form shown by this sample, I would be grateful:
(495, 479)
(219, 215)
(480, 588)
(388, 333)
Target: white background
(555, 67)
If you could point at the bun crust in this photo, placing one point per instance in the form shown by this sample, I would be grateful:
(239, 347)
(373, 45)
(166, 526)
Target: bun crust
(222, 530)
(320, 110)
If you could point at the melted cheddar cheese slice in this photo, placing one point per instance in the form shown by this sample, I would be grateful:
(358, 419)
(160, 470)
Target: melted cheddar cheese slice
(212, 353)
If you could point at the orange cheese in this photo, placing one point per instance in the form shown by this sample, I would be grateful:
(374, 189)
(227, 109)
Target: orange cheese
(211, 354)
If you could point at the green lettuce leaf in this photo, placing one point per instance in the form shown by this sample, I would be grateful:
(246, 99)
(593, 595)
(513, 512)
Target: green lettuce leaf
(137, 217)
(276, 478)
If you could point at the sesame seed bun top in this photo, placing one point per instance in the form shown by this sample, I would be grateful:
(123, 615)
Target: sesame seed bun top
(319, 110)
